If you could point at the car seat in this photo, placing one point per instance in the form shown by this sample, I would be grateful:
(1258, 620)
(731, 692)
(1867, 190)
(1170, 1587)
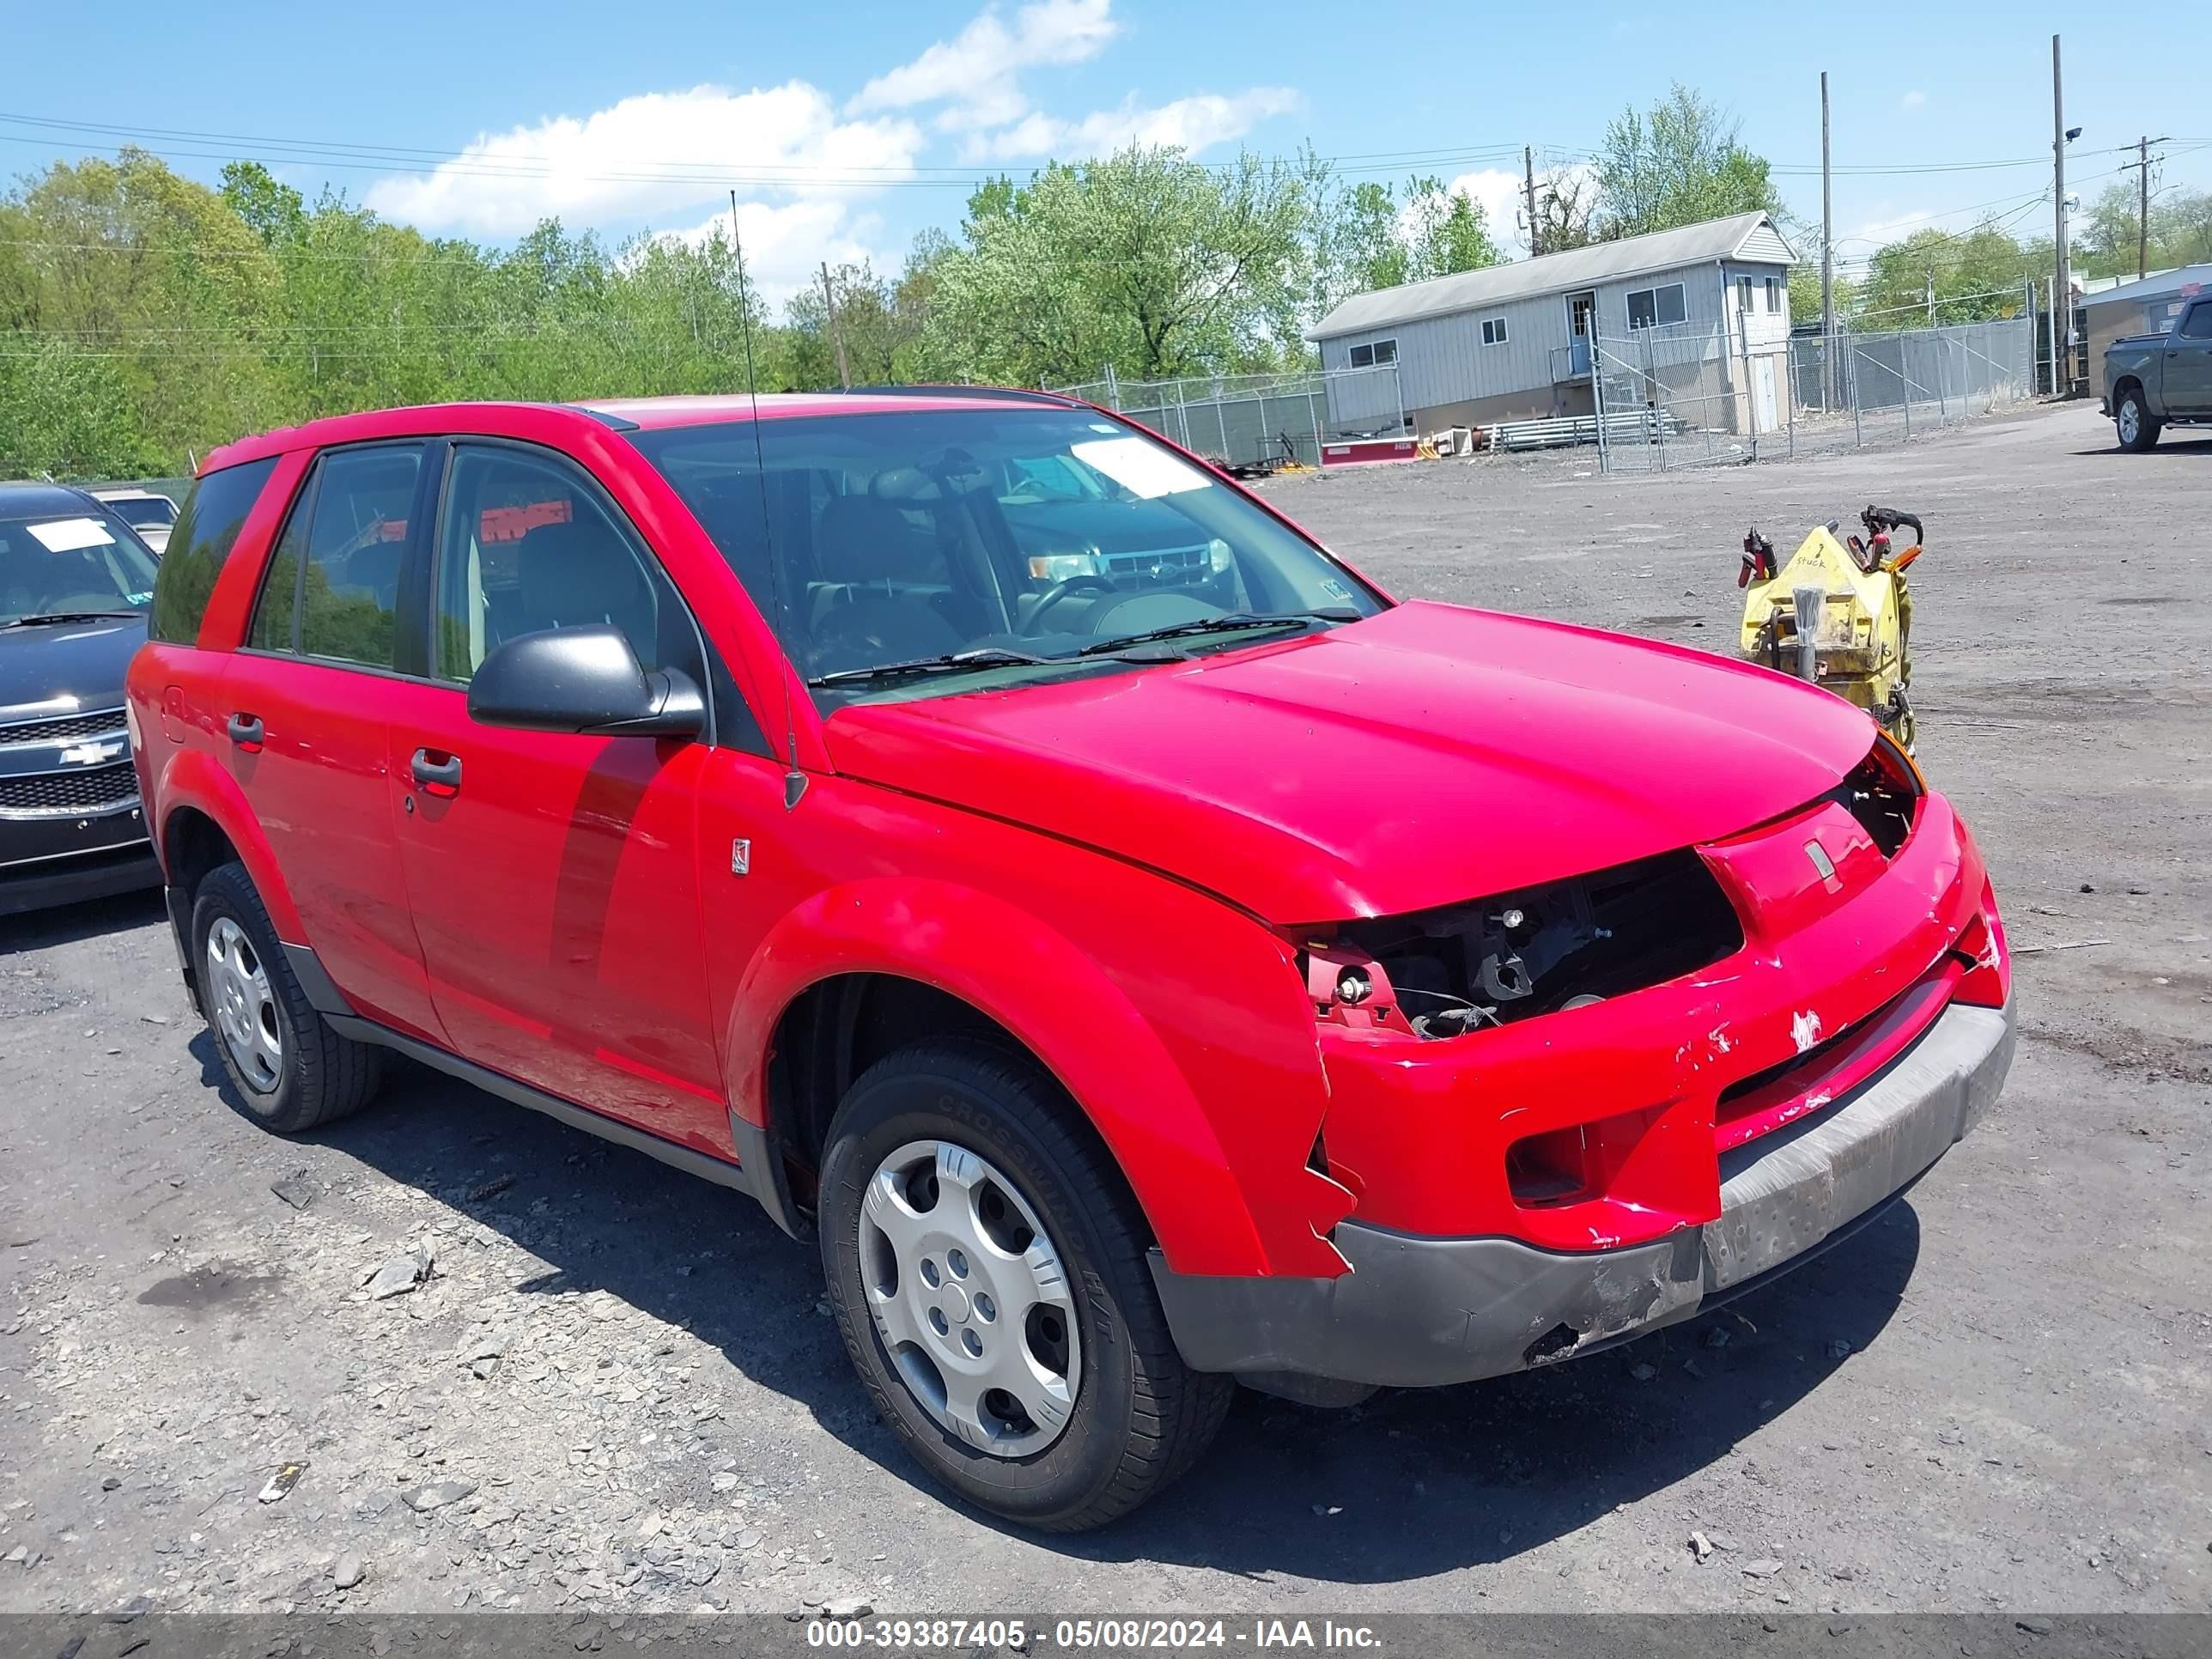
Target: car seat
(572, 575)
(864, 613)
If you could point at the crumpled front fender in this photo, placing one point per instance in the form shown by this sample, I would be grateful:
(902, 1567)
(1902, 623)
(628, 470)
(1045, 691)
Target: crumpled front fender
(1174, 1138)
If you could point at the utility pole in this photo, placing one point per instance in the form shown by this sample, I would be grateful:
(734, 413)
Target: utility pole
(1528, 177)
(2143, 159)
(2061, 287)
(1827, 254)
(1930, 292)
(837, 328)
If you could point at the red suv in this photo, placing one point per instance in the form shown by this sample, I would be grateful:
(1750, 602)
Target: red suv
(1144, 954)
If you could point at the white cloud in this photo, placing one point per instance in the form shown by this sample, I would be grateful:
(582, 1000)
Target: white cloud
(619, 163)
(1502, 196)
(1193, 124)
(784, 244)
(975, 72)
(1914, 99)
(1504, 203)
(805, 170)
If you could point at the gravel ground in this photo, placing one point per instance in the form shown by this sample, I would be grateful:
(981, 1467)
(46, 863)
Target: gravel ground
(618, 1389)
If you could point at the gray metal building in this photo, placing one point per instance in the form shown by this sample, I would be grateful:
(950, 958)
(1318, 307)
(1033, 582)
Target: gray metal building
(1514, 342)
(2149, 307)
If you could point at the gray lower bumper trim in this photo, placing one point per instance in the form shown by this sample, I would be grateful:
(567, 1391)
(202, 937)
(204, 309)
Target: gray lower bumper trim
(1418, 1312)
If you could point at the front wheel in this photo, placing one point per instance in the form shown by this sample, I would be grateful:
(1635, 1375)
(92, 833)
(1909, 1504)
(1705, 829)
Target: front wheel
(987, 1267)
(2138, 429)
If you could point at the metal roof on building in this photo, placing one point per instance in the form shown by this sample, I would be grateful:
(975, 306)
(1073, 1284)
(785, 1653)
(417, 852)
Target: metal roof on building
(1549, 273)
(2165, 285)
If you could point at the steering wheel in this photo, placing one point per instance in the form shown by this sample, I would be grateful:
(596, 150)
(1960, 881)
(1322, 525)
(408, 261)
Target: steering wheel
(1060, 590)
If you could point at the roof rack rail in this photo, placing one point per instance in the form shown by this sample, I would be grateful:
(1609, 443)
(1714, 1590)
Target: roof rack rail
(1003, 394)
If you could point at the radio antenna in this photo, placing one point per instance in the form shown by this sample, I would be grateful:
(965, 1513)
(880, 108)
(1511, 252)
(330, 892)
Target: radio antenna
(794, 781)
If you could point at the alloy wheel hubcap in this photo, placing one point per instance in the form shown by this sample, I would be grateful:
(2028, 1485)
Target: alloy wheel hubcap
(968, 1293)
(2130, 423)
(245, 1009)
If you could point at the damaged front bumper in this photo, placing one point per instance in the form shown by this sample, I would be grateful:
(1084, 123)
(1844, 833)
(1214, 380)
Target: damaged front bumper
(1418, 1312)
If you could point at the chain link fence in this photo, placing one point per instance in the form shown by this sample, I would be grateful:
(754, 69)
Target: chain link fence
(1705, 400)
(1249, 419)
(1861, 389)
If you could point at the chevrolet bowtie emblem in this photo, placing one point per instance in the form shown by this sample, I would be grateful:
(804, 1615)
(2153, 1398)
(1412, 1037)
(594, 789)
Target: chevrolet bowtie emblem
(90, 754)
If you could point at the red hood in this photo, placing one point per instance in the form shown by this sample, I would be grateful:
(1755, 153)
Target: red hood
(1427, 755)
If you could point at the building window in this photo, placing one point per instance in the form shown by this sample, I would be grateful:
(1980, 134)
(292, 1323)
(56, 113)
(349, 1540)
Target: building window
(1656, 308)
(1375, 353)
(1774, 296)
(1743, 294)
(1493, 331)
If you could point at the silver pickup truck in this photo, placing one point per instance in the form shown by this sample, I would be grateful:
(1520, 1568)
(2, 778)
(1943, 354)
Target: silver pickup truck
(2156, 380)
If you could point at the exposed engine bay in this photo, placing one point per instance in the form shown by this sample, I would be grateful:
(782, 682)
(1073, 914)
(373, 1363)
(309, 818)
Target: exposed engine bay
(1447, 972)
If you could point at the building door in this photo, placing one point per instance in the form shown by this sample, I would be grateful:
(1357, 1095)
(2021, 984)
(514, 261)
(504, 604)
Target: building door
(1582, 310)
(1762, 393)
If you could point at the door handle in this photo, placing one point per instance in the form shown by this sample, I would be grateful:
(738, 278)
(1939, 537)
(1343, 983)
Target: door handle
(245, 731)
(439, 777)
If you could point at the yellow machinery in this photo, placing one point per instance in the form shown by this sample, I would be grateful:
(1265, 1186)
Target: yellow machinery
(1859, 646)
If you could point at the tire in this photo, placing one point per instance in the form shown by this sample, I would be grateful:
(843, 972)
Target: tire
(310, 1075)
(1138, 1417)
(2132, 418)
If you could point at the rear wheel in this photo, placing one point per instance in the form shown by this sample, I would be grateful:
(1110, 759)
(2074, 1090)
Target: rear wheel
(988, 1270)
(2138, 429)
(290, 1070)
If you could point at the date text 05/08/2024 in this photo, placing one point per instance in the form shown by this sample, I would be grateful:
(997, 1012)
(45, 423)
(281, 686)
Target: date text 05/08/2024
(1261, 1635)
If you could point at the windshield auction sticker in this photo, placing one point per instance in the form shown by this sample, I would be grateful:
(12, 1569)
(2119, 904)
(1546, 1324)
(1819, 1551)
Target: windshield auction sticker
(1142, 468)
(66, 534)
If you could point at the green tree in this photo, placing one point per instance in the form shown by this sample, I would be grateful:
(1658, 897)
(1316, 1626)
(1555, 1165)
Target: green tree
(273, 211)
(2179, 233)
(1677, 163)
(67, 413)
(1447, 230)
(1147, 260)
(1975, 276)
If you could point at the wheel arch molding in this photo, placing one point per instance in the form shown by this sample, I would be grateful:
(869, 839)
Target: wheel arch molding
(1025, 978)
(193, 784)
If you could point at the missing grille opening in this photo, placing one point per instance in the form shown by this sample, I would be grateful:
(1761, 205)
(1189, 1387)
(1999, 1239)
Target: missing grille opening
(1518, 955)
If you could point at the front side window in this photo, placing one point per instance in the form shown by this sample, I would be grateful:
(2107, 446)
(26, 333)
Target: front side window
(1027, 542)
(332, 586)
(71, 564)
(527, 543)
(1656, 307)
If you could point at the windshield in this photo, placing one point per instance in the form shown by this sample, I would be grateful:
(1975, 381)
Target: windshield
(1033, 539)
(144, 511)
(71, 566)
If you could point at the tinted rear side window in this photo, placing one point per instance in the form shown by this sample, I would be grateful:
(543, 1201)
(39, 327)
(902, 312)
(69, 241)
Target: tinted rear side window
(332, 588)
(207, 529)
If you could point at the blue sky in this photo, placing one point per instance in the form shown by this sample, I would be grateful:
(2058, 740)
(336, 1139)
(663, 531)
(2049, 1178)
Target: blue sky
(852, 125)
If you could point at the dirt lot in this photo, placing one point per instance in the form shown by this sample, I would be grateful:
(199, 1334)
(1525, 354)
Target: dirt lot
(620, 1388)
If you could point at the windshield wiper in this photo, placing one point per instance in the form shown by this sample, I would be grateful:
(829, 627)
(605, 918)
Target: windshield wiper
(953, 662)
(63, 616)
(1235, 622)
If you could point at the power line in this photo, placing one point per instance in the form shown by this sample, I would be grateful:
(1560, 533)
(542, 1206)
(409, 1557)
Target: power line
(477, 163)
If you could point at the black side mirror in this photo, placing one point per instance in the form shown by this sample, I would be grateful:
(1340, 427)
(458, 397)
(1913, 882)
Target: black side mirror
(585, 680)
